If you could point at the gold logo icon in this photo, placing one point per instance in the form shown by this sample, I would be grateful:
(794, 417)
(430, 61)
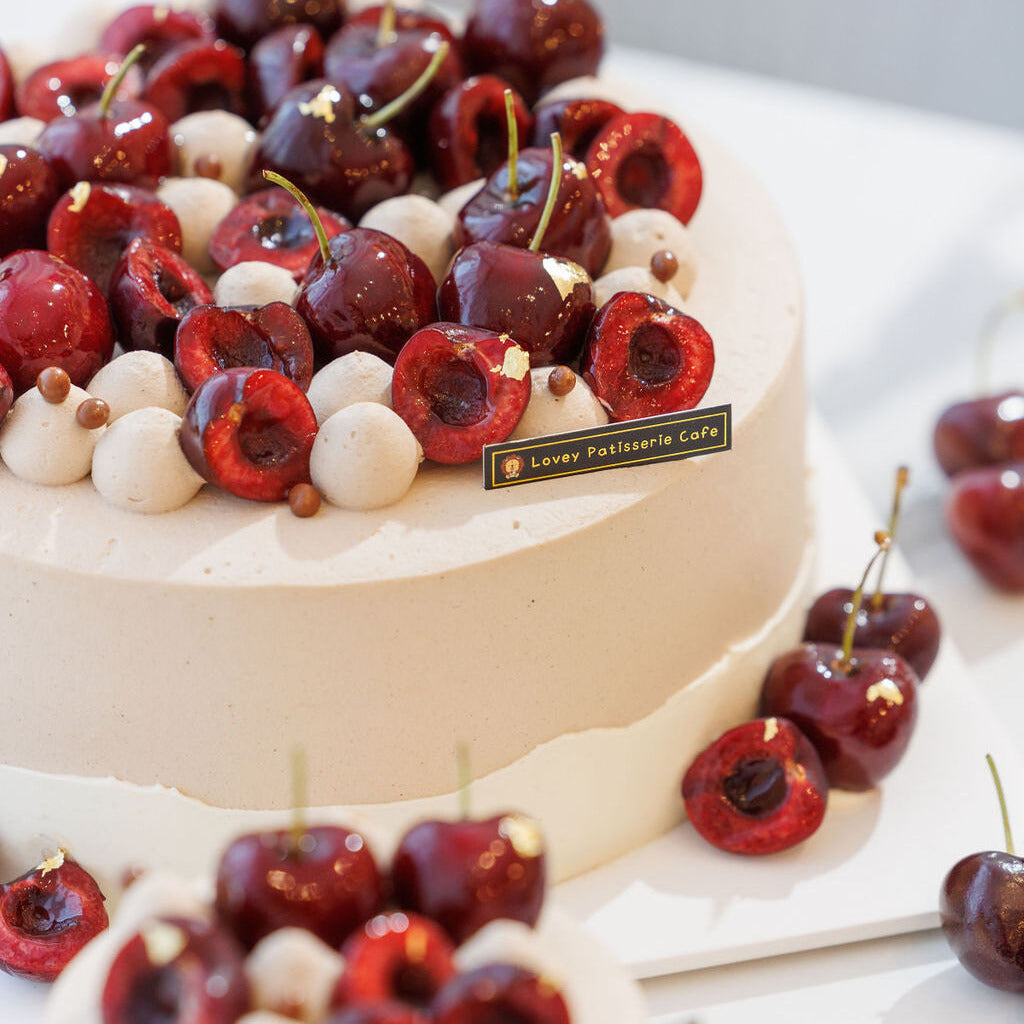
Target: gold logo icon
(512, 466)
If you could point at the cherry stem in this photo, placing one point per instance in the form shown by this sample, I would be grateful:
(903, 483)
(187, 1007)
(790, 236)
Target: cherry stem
(386, 27)
(1007, 834)
(300, 798)
(465, 779)
(553, 190)
(843, 663)
(513, 145)
(110, 91)
(300, 198)
(902, 479)
(992, 325)
(397, 105)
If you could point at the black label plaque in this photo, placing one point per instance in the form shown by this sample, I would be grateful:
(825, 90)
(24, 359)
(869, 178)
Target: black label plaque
(675, 435)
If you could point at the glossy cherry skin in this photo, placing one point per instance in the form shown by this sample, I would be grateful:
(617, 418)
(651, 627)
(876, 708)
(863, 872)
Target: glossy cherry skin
(329, 885)
(859, 719)
(151, 289)
(759, 788)
(50, 315)
(464, 874)
(579, 229)
(7, 89)
(65, 87)
(904, 623)
(286, 58)
(377, 1013)
(28, 192)
(469, 130)
(196, 76)
(245, 22)
(131, 144)
(577, 121)
(983, 432)
(491, 285)
(534, 46)
(981, 905)
(176, 971)
(92, 225)
(644, 358)
(6, 393)
(644, 161)
(315, 142)
(498, 993)
(985, 514)
(46, 917)
(158, 28)
(372, 296)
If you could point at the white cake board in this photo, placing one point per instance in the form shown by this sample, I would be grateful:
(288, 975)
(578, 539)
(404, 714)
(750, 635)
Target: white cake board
(875, 866)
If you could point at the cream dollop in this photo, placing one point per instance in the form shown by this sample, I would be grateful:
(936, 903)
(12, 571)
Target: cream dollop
(634, 279)
(292, 972)
(354, 377)
(139, 380)
(548, 413)
(254, 283)
(638, 234)
(217, 133)
(21, 131)
(364, 456)
(139, 466)
(421, 225)
(200, 204)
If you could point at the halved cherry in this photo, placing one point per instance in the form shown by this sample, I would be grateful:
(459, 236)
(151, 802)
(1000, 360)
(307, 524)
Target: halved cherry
(156, 27)
(250, 431)
(500, 992)
(195, 76)
(643, 357)
(644, 161)
(377, 1013)
(6, 393)
(47, 916)
(152, 288)
(577, 121)
(64, 87)
(459, 388)
(275, 337)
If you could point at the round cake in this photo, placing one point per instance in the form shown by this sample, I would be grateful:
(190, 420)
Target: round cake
(580, 637)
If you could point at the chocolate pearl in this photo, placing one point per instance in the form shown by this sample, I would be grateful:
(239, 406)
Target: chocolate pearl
(304, 500)
(664, 265)
(54, 384)
(93, 413)
(208, 165)
(561, 380)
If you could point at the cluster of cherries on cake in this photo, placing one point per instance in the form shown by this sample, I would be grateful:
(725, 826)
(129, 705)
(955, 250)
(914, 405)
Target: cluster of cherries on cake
(102, 244)
(839, 710)
(305, 925)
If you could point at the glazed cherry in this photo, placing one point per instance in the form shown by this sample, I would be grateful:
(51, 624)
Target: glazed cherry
(982, 432)
(577, 121)
(286, 58)
(7, 89)
(759, 788)
(249, 431)
(151, 289)
(6, 393)
(644, 358)
(28, 192)
(985, 515)
(93, 224)
(464, 874)
(195, 76)
(469, 132)
(644, 161)
(50, 315)
(497, 993)
(157, 28)
(47, 916)
(176, 971)
(270, 226)
(323, 879)
(275, 337)
(246, 22)
(395, 957)
(579, 230)
(377, 1013)
(533, 46)
(65, 87)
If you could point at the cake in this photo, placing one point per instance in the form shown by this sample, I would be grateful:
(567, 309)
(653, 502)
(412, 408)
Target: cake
(580, 637)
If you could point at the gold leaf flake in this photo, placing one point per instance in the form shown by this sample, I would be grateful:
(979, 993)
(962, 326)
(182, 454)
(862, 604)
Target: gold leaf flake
(3, 163)
(516, 364)
(565, 274)
(54, 863)
(771, 729)
(164, 943)
(322, 105)
(80, 196)
(885, 690)
(523, 833)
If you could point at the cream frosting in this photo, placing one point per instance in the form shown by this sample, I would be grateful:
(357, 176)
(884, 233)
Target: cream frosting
(638, 234)
(548, 413)
(354, 377)
(254, 283)
(139, 380)
(635, 279)
(219, 133)
(200, 204)
(423, 226)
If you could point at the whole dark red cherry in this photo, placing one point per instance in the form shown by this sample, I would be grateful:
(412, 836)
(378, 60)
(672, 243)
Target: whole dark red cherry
(152, 288)
(6, 393)
(279, 62)
(7, 89)
(759, 788)
(93, 224)
(577, 121)
(469, 130)
(580, 228)
(28, 192)
(532, 45)
(377, 1013)
(981, 432)
(644, 161)
(325, 881)
(250, 432)
(47, 916)
(64, 87)
(985, 515)
(464, 874)
(176, 971)
(50, 315)
(489, 285)
(156, 27)
(498, 993)
(195, 76)
(246, 22)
